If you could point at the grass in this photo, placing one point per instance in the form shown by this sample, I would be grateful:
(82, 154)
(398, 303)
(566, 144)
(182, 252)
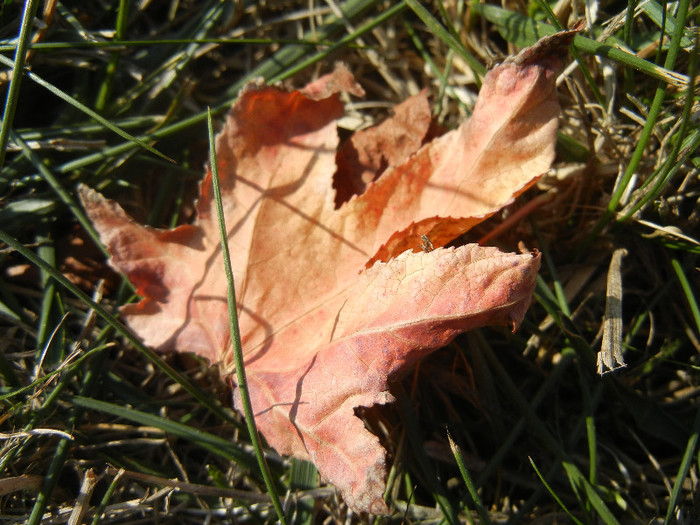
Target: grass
(498, 427)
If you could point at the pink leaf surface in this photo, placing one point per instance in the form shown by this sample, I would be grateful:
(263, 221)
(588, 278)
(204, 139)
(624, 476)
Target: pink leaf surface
(334, 300)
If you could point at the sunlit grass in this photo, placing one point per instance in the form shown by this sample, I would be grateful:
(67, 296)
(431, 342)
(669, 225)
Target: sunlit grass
(115, 95)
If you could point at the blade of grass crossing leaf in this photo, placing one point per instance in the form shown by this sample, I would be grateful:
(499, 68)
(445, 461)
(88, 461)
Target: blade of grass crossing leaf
(235, 333)
(651, 120)
(461, 464)
(552, 493)
(193, 390)
(82, 107)
(30, 7)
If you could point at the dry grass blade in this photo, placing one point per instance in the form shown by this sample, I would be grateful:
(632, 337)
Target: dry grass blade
(191, 488)
(82, 502)
(610, 355)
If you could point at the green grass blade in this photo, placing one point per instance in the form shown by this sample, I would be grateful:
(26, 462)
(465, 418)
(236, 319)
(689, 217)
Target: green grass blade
(349, 38)
(30, 7)
(687, 291)
(50, 482)
(448, 38)
(651, 120)
(461, 464)
(219, 446)
(552, 493)
(665, 21)
(82, 107)
(67, 199)
(428, 472)
(574, 52)
(235, 332)
(105, 92)
(685, 142)
(194, 391)
(524, 31)
(100, 508)
(578, 480)
(591, 436)
(684, 468)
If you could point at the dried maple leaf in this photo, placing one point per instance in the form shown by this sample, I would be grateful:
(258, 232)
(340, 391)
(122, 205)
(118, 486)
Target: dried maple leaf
(333, 301)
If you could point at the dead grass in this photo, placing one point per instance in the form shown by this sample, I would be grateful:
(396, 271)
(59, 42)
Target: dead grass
(93, 431)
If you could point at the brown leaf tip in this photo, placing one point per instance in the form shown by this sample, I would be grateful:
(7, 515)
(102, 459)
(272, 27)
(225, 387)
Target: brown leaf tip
(341, 79)
(551, 48)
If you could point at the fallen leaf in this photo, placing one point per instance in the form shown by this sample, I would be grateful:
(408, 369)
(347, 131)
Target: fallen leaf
(333, 300)
(369, 152)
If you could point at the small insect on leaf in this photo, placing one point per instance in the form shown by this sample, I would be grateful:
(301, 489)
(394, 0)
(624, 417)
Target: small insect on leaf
(425, 244)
